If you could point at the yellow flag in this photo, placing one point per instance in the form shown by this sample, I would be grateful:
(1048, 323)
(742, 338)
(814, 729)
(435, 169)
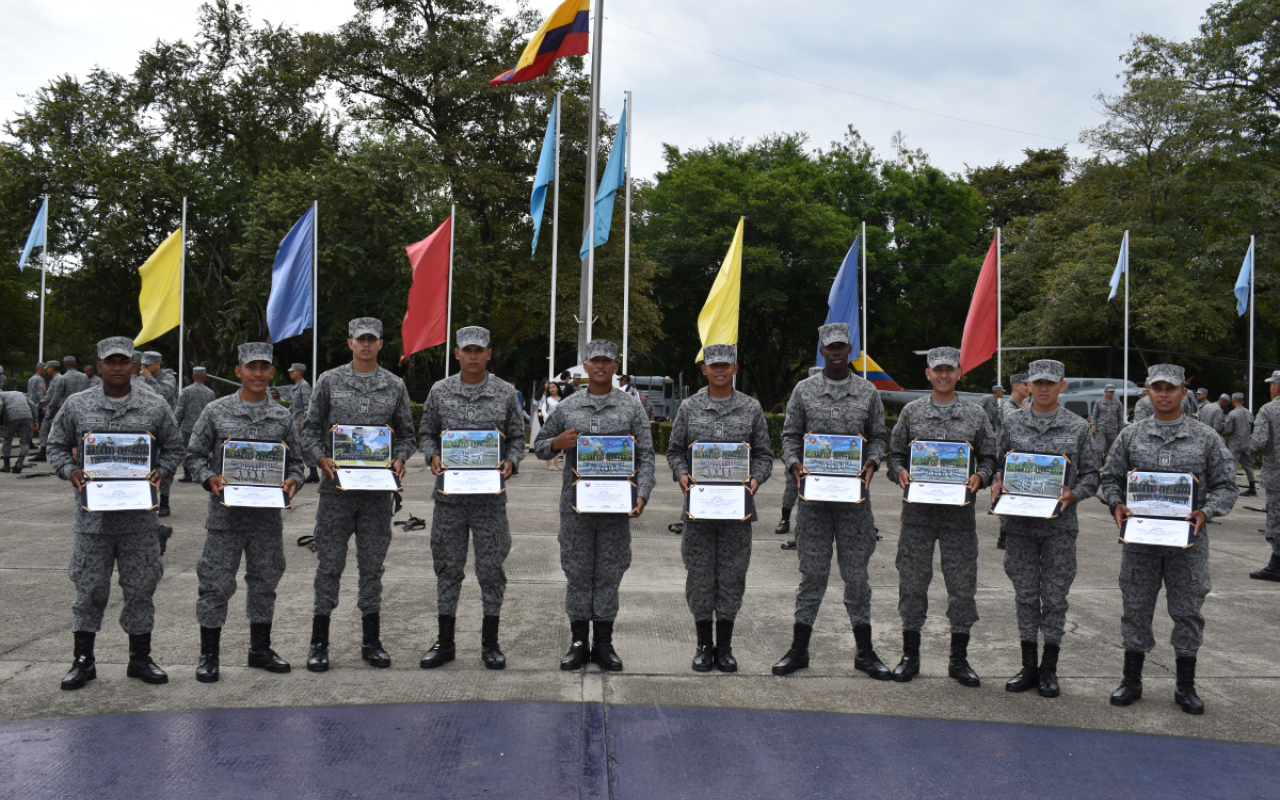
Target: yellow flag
(161, 298)
(718, 321)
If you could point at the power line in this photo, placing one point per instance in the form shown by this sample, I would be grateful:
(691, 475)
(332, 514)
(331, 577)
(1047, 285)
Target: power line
(837, 88)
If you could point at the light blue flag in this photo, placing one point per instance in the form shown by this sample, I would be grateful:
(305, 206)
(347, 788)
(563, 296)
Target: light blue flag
(842, 302)
(546, 174)
(36, 237)
(609, 183)
(1242, 282)
(289, 307)
(1122, 264)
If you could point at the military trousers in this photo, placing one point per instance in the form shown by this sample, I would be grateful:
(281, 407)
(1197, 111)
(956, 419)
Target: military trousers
(22, 429)
(1185, 577)
(44, 429)
(1105, 440)
(367, 516)
(595, 552)
(1042, 569)
(136, 555)
(216, 572)
(959, 571)
(790, 492)
(716, 555)
(1244, 457)
(1273, 520)
(486, 526)
(848, 528)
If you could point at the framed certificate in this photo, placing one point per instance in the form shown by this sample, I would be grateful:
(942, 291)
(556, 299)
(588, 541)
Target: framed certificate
(362, 454)
(118, 464)
(718, 501)
(1032, 483)
(254, 472)
(1160, 503)
(604, 496)
(605, 457)
(472, 481)
(832, 488)
(120, 494)
(939, 469)
(471, 459)
(720, 462)
(831, 454)
(367, 480)
(1162, 532)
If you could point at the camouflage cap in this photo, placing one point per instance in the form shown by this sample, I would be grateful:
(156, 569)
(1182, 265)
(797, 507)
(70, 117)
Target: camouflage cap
(815, 371)
(833, 333)
(151, 357)
(51, 365)
(1018, 377)
(68, 359)
(1225, 396)
(939, 356)
(1171, 374)
(256, 351)
(997, 388)
(472, 334)
(199, 371)
(296, 367)
(1046, 369)
(1204, 392)
(720, 354)
(137, 355)
(114, 346)
(361, 325)
(1110, 387)
(1238, 396)
(1275, 377)
(601, 348)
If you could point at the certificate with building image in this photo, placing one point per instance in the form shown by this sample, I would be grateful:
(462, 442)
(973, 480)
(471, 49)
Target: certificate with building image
(1032, 484)
(720, 462)
(254, 473)
(470, 459)
(833, 466)
(939, 470)
(1160, 503)
(362, 454)
(118, 464)
(605, 457)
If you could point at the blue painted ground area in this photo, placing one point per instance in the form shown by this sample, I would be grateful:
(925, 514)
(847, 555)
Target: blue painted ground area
(548, 750)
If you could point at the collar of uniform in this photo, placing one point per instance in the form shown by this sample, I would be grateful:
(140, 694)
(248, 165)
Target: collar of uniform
(1181, 432)
(828, 388)
(486, 386)
(601, 400)
(933, 409)
(375, 381)
(710, 404)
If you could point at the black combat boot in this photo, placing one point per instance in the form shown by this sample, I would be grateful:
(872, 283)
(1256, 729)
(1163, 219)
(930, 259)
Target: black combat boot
(163, 510)
(1185, 692)
(725, 662)
(164, 533)
(371, 645)
(866, 660)
(140, 664)
(207, 669)
(959, 667)
(784, 525)
(443, 651)
(1131, 685)
(1049, 672)
(602, 651)
(1000, 543)
(6, 467)
(186, 476)
(17, 468)
(579, 649)
(798, 656)
(83, 666)
(260, 653)
(318, 658)
(704, 659)
(490, 653)
(1271, 572)
(1029, 676)
(312, 477)
(909, 666)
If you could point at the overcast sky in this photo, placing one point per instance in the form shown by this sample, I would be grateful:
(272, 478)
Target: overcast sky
(1032, 66)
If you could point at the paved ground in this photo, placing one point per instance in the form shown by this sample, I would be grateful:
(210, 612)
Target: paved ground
(1239, 665)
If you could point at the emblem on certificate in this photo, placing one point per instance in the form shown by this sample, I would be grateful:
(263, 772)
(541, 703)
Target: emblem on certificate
(1160, 503)
(253, 471)
(118, 464)
(604, 466)
(362, 454)
(1032, 483)
(719, 473)
(938, 471)
(470, 459)
(833, 468)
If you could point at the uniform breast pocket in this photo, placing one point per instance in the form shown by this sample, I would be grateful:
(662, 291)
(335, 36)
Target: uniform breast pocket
(1182, 458)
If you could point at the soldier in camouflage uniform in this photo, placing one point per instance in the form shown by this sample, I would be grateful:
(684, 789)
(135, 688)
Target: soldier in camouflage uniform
(717, 552)
(1202, 400)
(255, 533)
(1266, 438)
(1008, 405)
(51, 372)
(470, 400)
(595, 549)
(991, 405)
(36, 386)
(1214, 414)
(840, 402)
(1107, 418)
(1237, 430)
(789, 495)
(155, 380)
(17, 417)
(1143, 409)
(1189, 405)
(107, 539)
(944, 416)
(1168, 441)
(359, 393)
(299, 402)
(1041, 556)
(191, 404)
(71, 381)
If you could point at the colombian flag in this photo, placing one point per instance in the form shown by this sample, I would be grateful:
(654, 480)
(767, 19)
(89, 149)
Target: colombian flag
(565, 33)
(876, 374)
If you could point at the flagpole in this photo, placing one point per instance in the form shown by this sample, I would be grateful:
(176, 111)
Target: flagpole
(44, 270)
(626, 247)
(999, 321)
(555, 243)
(448, 314)
(1125, 395)
(585, 300)
(315, 290)
(1253, 269)
(182, 292)
(864, 300)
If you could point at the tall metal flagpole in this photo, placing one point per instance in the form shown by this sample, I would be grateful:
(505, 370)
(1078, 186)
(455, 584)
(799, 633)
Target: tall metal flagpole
(589, 264)
(999, 320)
(182, 293)
(1253, 270)
(448, 314)
(555, 244)
(1125, 395)
(315, 290)
(864, 301)
(626, 250)
(44, 270)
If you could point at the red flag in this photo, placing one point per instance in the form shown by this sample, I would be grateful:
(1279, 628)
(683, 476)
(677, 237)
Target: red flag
(425, 322)
(981, 331)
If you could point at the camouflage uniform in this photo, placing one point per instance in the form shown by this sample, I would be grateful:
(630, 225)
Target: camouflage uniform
(47, 422)
(255, 532)
(1237, 430)
(1041, 556)
(953, 527)
(1183, 445)
(35, 390)
(717, 553)
(1266, 438)
(1143, 409)
(299, 402)
(345, 397)
(1108, 417)
(1189, 405)
(1211, 414)
(595, 549)
(820, 405)
(16, 415)
(453, 405)
(104, 539)
(191, 404)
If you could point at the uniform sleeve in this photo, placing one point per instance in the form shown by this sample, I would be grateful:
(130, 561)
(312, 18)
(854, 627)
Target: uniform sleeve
(304, 400)
(172, 451)
(553, 427)
(406, 442)
(62, 440)
(1003, 446)
(200, 449)
(515, 430)
(986, 449)
(1229, 424)
(292, 440)
(793, 429)
(1087, 468)
(429, 431)
(1111, 483)
(1221, 490)
(180, 410)
(875, 431)
(899, 441)
(55, 398)
(1261, 431)
(317, 414)
(761, 447)
(678, 445)
(645, 462)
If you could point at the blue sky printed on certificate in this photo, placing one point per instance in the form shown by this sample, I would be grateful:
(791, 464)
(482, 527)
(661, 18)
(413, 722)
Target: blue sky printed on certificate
(605, 455)
(1035, 473)
(831, 454)
(362, 445)
(470, 449)
(940, 462)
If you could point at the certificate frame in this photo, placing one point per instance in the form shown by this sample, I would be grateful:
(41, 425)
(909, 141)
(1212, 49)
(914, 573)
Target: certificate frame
(247, 455)
(1030, 485)
(714, 503)
(587, 482)
(353, 446)
(820, 454)
(1132, 534)
(480, 445)
(944, 450)
(599, 462)
(812, 493)
(395, 478)
(1172, 485)
(466, 473)
(707, 462)
(107, 482)
(114, 446)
